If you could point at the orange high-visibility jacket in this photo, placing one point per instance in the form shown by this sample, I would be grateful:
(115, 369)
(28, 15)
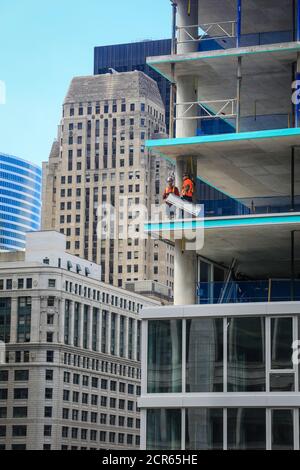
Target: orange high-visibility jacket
(169, 190)
(187, 188)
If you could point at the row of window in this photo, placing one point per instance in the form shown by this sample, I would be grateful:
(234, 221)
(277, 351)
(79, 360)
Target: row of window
(103, 297)
(102, 366)
(105, 384)
(246, 429)
(103, 436)
(112, 107)
(110, 420)
(86, 399)
(104, 177)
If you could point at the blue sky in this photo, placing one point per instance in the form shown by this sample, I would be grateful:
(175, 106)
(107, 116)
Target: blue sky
(44, 43)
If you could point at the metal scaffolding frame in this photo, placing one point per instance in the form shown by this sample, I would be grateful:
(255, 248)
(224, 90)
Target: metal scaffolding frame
(225, 109)
(207, 31)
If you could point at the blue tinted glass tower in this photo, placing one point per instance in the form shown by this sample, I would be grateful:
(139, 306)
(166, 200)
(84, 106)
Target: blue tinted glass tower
(20, 201)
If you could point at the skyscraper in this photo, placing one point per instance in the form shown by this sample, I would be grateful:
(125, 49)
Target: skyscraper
(132, 56)
(100, 159)
(20, 201)
(218, 368)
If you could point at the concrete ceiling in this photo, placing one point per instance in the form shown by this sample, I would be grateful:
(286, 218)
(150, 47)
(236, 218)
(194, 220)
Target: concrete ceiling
(262, 248)
(242, 168)
(257, 15)
(266, 72)
(261, 251)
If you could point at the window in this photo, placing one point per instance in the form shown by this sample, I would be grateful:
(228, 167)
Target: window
(47, 431)
(204, 357)
(48, 412)
(50, 356)
(51, 282)
(48, 393)
(20, 412)
(246, 354)
(20, 283)
(3, 375)
(29, 283)
(163, 429)
(3, 412)
(2, 431)
(21, 393)
(281, 341)
(282, 430)
(19, 431)
(21, 375)
(51, 301)
(204, 429)
(49, 375)
(164, 356)
(246, 428)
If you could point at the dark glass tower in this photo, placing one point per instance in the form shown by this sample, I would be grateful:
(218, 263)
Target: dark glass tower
(132, 56)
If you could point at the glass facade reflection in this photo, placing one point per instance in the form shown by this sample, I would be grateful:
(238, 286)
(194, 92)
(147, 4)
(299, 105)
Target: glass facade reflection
(281, 342)
(282, 430)
(164, 429)
(165, 356)
(204, 429)
(246, 354)
(204, 355)
(246, 428)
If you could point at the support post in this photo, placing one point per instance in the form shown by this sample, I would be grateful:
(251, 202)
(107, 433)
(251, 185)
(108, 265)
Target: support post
(239, 88)
(298, 21)
(292, 265)
(172, 103)
(297, 78)
(293, 179)
(174, 15)
(238, 23)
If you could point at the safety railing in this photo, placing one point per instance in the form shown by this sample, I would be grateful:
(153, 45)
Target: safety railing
(270, 290)
(220, 30)
(203, 109)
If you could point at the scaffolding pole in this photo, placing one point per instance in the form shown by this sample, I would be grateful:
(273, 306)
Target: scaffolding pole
(238, 23)
(238, 95)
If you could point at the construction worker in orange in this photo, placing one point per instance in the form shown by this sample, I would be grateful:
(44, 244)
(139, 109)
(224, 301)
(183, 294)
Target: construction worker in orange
(187, 188)
(170, 189)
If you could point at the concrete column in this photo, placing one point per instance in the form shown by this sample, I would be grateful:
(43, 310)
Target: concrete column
(187, 18)
(185, 266)
(35, 319)
(90, 327)
(13, 320)
(71, 331)
(187, 92)
(108, 332)
(80, 339)
(99, 330)
(61, 321)
(118, 335)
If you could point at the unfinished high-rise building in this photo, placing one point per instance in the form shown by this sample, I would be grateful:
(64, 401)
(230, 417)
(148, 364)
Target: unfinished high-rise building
(100, 159)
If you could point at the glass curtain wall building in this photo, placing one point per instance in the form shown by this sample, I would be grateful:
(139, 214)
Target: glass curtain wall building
(20, 201)
(218, 368)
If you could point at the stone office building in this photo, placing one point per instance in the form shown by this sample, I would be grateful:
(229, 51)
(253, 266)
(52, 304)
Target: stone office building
(71, 374)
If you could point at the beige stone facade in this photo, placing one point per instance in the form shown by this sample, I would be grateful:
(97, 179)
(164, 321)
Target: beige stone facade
(100, 158)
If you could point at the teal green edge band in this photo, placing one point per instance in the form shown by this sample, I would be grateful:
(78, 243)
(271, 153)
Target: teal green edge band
(226, 223)
(266, 134)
